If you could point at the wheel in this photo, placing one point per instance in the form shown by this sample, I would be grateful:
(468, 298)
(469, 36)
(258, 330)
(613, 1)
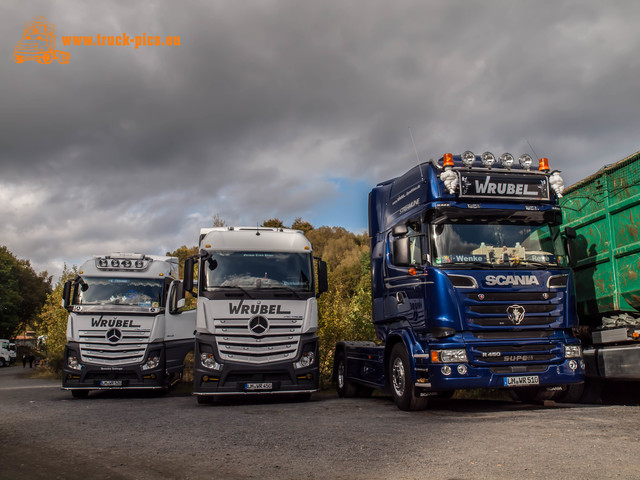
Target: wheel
(573, 393)
(46, 59)
(345, 388)
(204, 399)
(80, 393)
(534, 394)
(2, 362)
(399, 374)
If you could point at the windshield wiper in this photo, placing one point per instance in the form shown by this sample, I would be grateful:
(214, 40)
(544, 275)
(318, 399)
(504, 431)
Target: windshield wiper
(287, 287)
(533, 263)
(469, 264)
(244, 290)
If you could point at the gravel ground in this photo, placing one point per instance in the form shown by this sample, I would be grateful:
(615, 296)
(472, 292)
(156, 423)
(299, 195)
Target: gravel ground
(126, 435)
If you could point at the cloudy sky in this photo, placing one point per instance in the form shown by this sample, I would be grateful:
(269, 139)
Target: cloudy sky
(290, 109)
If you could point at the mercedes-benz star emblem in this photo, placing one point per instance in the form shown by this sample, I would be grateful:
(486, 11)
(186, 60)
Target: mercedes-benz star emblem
(516, 313)
(258, 325)
(114, 335)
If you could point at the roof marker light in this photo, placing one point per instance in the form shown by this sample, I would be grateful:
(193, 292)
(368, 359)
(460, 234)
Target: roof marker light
(507, 160)
(468, 158)
(544, 165)
(448, 160)
(488, 159)
(526, 161)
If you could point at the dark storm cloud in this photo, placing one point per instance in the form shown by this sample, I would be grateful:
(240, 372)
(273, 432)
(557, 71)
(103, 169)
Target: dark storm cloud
(266, 103)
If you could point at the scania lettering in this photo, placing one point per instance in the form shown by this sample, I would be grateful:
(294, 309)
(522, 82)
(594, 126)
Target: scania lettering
(471, 285)
(126, 328)
(257, 312)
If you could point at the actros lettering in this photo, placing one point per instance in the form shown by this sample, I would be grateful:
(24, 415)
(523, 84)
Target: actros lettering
(504, 280)
(243, 309)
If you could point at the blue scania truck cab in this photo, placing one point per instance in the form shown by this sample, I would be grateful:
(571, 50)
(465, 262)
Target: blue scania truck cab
(471, 285)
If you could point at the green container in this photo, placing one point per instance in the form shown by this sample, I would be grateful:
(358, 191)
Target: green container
(604, 209)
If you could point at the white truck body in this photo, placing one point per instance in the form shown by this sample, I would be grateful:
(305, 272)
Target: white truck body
(257, 313)
(126, 328)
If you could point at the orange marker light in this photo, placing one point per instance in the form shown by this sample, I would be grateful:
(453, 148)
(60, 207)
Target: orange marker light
(412, 271)
(434, 357)
(544, 165)
(448, 160)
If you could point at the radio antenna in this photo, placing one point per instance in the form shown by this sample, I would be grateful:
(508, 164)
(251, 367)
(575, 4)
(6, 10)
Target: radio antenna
(534, 152)
(414, 145)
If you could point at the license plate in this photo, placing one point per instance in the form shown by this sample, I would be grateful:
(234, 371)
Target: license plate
(258, 386)
(519, 381)
(111, 383)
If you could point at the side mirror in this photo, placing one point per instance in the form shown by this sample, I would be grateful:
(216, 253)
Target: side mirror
(570, 233)
(400, 252)
(188, 274)
(400, 230)
(66, 294)
(323, 282)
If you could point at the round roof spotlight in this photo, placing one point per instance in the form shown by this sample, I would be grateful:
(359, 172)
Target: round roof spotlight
(468, 158)
(126, 263)
(115, 263)
(103, 262)
(526, 161)
(139, 263)
(507, 160)
(488, 159)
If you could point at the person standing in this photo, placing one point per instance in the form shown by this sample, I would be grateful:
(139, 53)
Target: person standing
(24, 360)
(31, 359)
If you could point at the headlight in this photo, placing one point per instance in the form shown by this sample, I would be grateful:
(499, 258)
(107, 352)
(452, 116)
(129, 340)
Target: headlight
(488, 159)
(152, 362)
(572, 351)
(207, 361)
(507, 160)
(468, 158)
(449, 356)
(72, 362)
(306, 360)
(526, 161)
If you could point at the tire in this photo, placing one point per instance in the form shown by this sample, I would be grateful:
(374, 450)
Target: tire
(573, 393)
(534, 394)
(401, 383)
(204, 399)
(80, 393)
(2, 362)
(344, 387)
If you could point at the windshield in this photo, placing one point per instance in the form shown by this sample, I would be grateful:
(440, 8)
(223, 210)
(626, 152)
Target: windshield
(506, 244)
(258, 270)
(139, 292)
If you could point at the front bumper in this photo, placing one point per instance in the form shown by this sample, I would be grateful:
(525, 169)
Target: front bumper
(101, 377)
(487, 377)
(234, 378)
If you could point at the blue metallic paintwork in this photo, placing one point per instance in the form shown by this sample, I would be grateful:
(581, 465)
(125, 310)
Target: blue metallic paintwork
(433, 302)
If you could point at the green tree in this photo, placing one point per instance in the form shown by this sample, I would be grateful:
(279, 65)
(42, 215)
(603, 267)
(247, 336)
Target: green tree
(273, 223)
(52, 321)
(22, 293)
(299, 224)
(218, 222)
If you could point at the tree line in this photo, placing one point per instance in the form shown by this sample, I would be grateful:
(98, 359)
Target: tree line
(344, 311)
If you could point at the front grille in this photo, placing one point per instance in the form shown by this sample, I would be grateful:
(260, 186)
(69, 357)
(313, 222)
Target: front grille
(519, 369)
(505, 322)
(509, 355)
(130, 349)
(513, 335)
(237, 343)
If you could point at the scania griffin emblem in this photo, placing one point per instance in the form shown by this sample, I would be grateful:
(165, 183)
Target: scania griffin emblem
(258, 325)
(516, 314)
